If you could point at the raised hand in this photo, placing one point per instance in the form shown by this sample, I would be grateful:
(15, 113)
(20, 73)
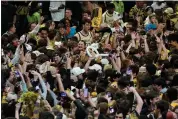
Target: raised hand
(34, 72)
(17, 106)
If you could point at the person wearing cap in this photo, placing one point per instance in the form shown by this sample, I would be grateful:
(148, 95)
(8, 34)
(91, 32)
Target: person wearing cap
(96, 67)
(77, 71)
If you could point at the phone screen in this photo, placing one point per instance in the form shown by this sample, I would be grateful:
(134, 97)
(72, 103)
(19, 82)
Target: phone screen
(111, 109)
(17, 74)
(86, 92)
(109, 94)
(129, 71)
(63, 94)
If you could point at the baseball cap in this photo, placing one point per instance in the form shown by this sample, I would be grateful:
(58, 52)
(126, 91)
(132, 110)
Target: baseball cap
(77, 71)
(169, 10)
(96, 67)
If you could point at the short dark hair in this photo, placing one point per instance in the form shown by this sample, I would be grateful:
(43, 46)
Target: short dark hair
(61, 25)
(87, 11)
(162, 105)
(176, 64)
(52, 34)
(160, 82)
(44, 29)
(175, 81)
(46, 115)
(42, 43)
(12, 37)
(124, 81)
(173, 37)
(68, 9)
(172, 94)
(151, 69)
(86, 21)
(110, 6)
(135, 69)
(48, 23)
(10, 25)
(33, 41)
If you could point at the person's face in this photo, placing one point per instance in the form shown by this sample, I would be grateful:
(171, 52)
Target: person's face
(57, 59)
(44, 34)
(86, 27)
(153, 19)
(62, 31)
(85, 16)
(149, 11)
(13, 29)
(52, 26)
(128, 27)
(155, 100)
(67, 23)
(119, 116)
(140, 4)
(15, 42)
(110, 11)
(68, 13)
(81, 45)
(162, 25)
(32, 26)
(158, 88)
(173, 43)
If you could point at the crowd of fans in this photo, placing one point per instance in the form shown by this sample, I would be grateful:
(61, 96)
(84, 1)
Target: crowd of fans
(108, 65)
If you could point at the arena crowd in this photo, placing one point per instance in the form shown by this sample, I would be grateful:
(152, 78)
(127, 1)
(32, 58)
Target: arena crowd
(106, 63)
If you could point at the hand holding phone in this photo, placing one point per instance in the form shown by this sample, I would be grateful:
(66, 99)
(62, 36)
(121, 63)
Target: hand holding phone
(111, 110)
(86, 92)
(129, 72)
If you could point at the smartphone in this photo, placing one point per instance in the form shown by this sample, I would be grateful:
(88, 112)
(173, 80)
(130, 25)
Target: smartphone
(108, 94)
(129, 72)
(63, 94)
(86, 92)
(111, 110)
(17, 74)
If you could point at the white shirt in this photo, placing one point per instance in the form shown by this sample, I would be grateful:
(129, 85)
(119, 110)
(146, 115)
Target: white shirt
(156, 6)
(110, 18)
(56, 14)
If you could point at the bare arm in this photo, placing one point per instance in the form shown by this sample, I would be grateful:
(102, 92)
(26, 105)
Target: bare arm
(114, 43)
(44, 88)
(17, 108)
(14, 19)
(118, 61)
(114, 64)
(146, 45)
(139, 100)
(88, 64)
(107, 40)
(29, 85)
